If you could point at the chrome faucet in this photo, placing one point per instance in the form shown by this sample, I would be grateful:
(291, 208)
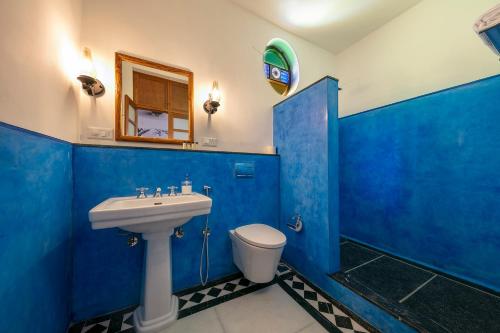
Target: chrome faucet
(173, 190)
(157, 193)
(141, 192)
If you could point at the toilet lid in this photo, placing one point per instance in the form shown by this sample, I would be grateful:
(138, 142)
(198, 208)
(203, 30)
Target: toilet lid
(261, 235)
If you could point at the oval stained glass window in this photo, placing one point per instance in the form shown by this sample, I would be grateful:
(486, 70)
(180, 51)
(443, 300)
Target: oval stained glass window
(281, 66)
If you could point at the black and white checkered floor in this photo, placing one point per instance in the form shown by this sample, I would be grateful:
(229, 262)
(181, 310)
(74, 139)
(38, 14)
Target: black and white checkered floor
(116, 322)
(201, 299)
(330, 314)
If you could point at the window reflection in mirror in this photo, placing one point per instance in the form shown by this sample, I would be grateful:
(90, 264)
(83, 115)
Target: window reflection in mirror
(154, 101)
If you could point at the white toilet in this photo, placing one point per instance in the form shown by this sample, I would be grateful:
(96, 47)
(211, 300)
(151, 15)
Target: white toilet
(257, 251)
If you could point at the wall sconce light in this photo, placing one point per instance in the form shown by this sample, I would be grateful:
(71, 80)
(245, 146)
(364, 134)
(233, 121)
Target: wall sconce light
(213, 101)
(90, 83)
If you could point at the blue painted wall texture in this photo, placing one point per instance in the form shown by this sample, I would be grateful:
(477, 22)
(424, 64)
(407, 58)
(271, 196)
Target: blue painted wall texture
(306, 136)
(421, 179)
(35, 232)
(107, 273)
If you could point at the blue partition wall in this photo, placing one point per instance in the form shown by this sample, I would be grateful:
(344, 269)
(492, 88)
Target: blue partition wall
(421, 179)
(35, 232)
(107, 273)
(306, 136)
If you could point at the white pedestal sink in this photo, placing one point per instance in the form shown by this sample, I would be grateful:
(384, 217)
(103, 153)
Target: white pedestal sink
(155, 219)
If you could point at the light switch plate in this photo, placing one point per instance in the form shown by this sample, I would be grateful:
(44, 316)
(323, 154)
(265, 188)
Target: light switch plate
(209, 142)
(100, 133)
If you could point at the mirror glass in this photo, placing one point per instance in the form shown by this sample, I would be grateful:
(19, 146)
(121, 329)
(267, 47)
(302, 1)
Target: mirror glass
(153, 101)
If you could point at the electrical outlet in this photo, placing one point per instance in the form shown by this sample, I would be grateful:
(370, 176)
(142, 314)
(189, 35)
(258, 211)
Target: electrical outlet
(209, 142)
(100, 133)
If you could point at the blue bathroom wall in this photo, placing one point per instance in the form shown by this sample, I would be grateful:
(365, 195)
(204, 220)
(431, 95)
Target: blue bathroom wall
(306, 136)
(107, 273)
(35, 232)
(421, 179)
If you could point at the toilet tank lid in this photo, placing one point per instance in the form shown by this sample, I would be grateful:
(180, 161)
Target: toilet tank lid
(261, 235)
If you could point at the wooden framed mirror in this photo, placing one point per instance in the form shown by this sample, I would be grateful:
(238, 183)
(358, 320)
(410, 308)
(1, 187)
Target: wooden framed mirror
(153, 102)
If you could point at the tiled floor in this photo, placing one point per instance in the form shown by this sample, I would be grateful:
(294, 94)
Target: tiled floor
(192, 301)
(120, 321)
(289, 304)
(423, 298)
(266, 310)
(331, 314)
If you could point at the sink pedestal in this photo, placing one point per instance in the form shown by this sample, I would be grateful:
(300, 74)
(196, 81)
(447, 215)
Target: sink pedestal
(155, 218)
(158, 306)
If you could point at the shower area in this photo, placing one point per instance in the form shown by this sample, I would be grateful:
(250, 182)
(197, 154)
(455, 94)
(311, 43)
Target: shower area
(400, 204)
(420, 208)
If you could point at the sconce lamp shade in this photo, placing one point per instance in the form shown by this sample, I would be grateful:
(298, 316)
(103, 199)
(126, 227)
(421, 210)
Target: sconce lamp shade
(210, 106)
(87, 76)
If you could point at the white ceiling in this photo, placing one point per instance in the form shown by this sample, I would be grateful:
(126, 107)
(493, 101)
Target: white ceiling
(331, 24)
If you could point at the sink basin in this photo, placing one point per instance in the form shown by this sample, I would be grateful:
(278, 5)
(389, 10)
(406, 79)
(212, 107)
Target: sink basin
(148, 214)
(155, 219)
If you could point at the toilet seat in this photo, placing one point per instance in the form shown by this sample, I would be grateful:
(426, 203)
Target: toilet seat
(261, 235)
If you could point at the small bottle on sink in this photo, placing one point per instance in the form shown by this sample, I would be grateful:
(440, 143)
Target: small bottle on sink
(187, 186)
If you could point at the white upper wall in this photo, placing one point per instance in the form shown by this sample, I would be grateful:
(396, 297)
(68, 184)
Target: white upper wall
(38, 54)
(216, 40)
(331, 24)
(429, 47)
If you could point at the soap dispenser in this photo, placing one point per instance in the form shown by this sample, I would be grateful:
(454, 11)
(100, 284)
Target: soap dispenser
(187, 186)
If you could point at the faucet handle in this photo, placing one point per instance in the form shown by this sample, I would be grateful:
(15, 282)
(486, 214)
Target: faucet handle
(141, 192)
(173, 190)
(207, 189)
